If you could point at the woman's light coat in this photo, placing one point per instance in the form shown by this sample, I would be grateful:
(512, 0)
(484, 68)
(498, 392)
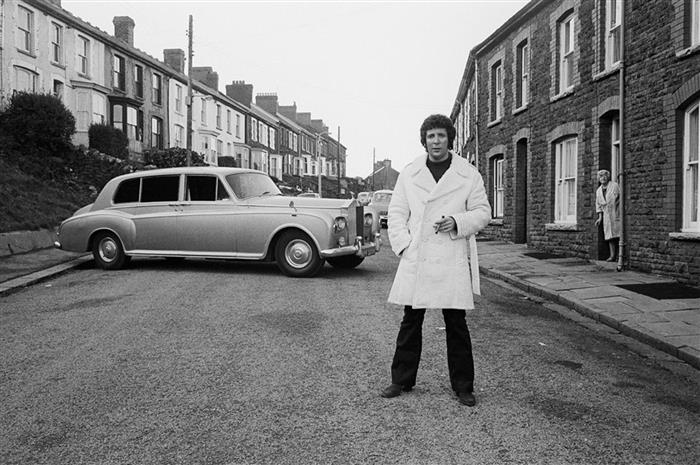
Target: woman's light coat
(434, 271)
(609, 205)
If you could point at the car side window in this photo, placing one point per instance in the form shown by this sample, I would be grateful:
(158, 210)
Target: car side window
(128, 191)
(160, 188)
(221, 193)
(200, 188)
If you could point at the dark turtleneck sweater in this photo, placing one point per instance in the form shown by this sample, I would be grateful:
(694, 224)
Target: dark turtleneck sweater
(437, 169)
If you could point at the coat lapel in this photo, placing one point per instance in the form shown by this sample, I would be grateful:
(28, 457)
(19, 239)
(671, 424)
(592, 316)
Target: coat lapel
(452, 180)
(421, 176)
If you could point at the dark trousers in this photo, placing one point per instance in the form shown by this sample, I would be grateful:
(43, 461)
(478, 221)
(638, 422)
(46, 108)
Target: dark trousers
(409, 344)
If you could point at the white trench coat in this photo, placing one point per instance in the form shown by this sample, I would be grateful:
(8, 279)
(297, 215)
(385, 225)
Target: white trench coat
(434, 271)
(609, 206)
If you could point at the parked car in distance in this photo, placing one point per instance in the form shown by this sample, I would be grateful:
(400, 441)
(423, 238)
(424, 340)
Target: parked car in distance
(379, 204)
(363, 198)
(223, 213)
(309, 194)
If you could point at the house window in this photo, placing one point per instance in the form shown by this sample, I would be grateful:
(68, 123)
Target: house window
(25, 79)
(157, 89)
(229, 149)
(118, 73)
(58, 89)
(295, 141)
(57, 43)
(238, 125)
(83, 56)
(178, 98)
(273, 139)
(203, 115)
(218, 116)
(156, 132)
(132, 125)
(498, 191)
(138, 80)
(25, 28)
(228, 121)
(691, 156)
(565, 167)
(615, 148)
(219, 147)
(254, 129)
(523, 73)
(98, 109)
(467, 114)
(179, 135)
(613, 15)
(566, 53)
(496, 91)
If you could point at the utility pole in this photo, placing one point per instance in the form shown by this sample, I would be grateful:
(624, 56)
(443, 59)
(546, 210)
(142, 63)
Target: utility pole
(319, 168)
(337, 162)
(189, 95)
(374, 163)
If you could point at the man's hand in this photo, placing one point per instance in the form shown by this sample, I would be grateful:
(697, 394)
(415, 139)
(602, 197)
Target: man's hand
(445, 224)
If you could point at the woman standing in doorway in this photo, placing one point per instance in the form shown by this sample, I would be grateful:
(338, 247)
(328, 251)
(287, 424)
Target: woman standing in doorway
(607, 205)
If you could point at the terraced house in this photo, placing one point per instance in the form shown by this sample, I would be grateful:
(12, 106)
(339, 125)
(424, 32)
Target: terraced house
(105, 78)
(568, 87)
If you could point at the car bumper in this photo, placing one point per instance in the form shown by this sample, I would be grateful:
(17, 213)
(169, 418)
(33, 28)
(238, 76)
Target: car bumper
(360, 248)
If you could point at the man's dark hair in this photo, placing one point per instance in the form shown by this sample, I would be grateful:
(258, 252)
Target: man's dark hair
(438, 122)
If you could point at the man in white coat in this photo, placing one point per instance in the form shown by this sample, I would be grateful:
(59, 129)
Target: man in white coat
(439, 203)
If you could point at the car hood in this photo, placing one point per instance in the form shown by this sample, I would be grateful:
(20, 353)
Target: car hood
(299, 202)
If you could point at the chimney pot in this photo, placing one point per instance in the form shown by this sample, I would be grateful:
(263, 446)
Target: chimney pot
(124, 29)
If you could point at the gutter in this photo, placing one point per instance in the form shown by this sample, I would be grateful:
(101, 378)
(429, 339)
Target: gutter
(622, 246)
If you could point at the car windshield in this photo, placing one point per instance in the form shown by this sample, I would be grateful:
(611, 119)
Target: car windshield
(247, 185)
(381, 197)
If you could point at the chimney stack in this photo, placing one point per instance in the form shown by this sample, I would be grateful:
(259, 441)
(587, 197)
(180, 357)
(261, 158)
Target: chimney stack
(304, 119)
(318, 126)
(206, 75)
(290, 111)
(175, 58)
(124, 29)
(240, 92)
(267, 102)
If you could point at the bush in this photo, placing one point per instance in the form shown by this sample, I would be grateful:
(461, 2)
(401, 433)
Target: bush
(170, 158)
(38, 121)
(110, 140)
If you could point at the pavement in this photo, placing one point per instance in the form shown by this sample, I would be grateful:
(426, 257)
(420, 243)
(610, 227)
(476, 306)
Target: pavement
(591, 288)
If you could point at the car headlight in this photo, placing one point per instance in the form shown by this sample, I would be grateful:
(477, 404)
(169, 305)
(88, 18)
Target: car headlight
(369, 219)
(340, 224)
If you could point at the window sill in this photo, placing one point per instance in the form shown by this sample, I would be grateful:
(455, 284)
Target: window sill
(26, 52)
(685, 236)
(58, 65)
(521, 109)
(607, 72)
(496, 222)
(561, 227)
(85, 76)
(562, 95)
(686, 52)
(494, 122)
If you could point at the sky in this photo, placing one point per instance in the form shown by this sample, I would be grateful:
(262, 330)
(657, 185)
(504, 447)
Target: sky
(371, 70)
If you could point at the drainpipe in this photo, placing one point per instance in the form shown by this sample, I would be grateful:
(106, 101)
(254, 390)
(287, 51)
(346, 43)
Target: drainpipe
(622, 246)
(476, 112)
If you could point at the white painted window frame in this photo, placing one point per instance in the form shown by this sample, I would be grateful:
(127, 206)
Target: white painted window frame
(613, 16)
(691, 169)
(565, 182)
(567, 44)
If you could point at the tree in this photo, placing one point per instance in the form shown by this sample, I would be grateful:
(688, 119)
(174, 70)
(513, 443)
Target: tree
(109, 140)
(171, 157)
(38, 121)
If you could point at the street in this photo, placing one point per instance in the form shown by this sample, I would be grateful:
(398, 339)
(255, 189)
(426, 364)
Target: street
(211, 362)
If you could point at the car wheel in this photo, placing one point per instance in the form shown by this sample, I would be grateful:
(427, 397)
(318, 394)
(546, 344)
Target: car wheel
(296, 255)
(108, 252)
(346, 261)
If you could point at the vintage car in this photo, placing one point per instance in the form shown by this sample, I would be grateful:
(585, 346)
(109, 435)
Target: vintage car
(379, 204)
(225, 213)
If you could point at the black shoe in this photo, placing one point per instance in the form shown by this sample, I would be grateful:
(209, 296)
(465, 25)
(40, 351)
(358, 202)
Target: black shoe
(394, 390)
(466, 398)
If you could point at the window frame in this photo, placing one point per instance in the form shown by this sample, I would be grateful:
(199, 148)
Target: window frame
(496, 104)
(690, 203)
(33, 77)
(118, 71)
(498, 186)
(157, 88)
(566, 55)
(565, 182)
(613, 26)
(523, 69)
(57, 43)
(218, 116)
(694, 23)
(84, 60)
(138, 80)
(615, 148)
(26, 31)
(156, 132)
(178, 98)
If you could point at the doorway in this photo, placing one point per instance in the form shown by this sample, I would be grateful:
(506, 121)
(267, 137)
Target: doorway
(520, 231)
